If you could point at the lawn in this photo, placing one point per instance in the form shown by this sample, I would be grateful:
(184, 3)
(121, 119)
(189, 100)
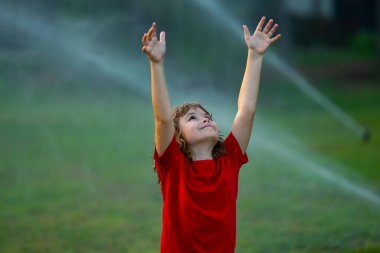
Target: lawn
(76, 174)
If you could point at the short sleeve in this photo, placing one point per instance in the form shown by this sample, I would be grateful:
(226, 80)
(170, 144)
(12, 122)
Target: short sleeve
(164, 161)
(233, 150)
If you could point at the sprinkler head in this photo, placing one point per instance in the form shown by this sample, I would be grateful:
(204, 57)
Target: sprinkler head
(366, 136)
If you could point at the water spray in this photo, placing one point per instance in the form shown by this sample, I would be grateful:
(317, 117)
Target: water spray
(77, 47)
(297, 79)
(85, 51)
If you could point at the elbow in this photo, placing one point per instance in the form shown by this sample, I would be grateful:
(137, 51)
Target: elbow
(247, 110)
(248, 107)
(247, 115)
(163, 120)
(163, 116)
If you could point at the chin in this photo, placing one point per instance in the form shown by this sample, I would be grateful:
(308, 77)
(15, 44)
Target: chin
(215, 138)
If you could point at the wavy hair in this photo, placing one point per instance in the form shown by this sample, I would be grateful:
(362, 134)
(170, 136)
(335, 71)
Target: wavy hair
(180, 111)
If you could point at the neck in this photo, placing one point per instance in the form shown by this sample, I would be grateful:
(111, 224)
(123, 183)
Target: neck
(202, 151)
(198, 157)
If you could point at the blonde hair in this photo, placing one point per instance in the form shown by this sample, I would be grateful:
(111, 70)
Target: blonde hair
(180, 111)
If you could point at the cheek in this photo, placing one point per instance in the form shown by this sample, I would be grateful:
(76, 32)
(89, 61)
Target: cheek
(185, 133)
(184, 130)
(217, 128)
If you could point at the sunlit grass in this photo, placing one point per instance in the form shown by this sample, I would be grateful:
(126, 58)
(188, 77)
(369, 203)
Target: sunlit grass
(76, 176)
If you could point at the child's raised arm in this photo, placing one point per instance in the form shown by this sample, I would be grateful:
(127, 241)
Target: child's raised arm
(257, 44)
(155, 50)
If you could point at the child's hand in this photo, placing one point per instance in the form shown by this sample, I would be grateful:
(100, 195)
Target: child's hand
(154, 49)
(261, 39)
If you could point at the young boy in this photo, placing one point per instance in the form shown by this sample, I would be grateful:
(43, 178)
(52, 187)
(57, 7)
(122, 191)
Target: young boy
(198, 171)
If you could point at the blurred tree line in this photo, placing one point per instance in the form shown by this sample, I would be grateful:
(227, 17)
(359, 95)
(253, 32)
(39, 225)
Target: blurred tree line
(350, 20)
(194, 37)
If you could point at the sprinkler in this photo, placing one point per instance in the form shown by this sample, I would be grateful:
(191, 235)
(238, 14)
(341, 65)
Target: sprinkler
(366, 136)
(297, 78)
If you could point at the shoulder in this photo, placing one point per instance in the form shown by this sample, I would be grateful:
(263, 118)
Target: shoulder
(170, 158)
(234, 151)
(170, 153)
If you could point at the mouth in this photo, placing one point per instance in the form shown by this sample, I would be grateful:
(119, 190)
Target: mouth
(208, 125)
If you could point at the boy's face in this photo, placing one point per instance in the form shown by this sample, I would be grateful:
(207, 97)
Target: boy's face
(197, 126)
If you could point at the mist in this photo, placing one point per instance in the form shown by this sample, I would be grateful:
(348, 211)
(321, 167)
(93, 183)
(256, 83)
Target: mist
(76, 59)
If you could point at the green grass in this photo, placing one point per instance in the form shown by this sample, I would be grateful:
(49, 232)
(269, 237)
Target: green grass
(318, 57)
(287, 107)
(76, 176)
(72, 172)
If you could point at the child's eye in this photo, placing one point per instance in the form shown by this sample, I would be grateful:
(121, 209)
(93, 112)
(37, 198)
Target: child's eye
(191, 118)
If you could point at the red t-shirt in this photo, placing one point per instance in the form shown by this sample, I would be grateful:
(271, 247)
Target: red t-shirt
(199, 200)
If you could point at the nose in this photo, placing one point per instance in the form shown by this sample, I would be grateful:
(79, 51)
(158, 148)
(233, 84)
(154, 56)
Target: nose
(206, 120)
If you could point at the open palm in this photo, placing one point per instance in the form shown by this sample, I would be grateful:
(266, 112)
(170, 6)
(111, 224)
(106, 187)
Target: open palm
(154, 48)
(262, 38)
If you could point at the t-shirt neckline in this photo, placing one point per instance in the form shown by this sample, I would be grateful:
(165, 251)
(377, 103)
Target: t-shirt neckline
(203, 161)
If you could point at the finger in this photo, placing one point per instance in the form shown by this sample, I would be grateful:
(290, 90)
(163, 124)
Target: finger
(150, 32)
(277, 37)
(154, 33)
(162, 36)
(268, 26)
(144, 38)
(146, 49)
(273, 30)
(247, 35)
(260, 25)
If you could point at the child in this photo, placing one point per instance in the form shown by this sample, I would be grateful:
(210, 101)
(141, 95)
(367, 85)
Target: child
(198, 171)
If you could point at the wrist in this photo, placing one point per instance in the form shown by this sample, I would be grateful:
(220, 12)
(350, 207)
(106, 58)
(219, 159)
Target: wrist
(157, 63)
(254, 53)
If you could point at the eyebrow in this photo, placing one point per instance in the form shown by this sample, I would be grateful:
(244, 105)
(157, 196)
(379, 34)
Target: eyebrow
(188, 114)
(194, 113)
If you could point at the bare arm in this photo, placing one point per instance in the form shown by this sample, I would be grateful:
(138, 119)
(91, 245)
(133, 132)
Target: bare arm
(257, 44)
(163, 123)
